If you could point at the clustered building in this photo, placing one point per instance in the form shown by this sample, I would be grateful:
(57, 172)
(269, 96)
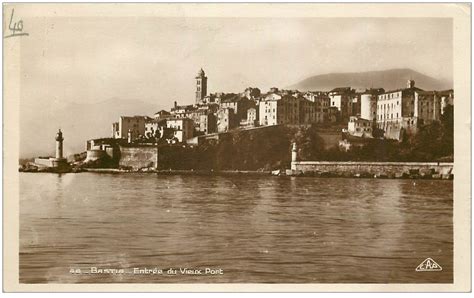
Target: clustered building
(394, 112)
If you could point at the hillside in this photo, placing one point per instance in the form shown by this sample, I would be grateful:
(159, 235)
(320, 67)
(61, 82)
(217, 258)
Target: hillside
(387, 79)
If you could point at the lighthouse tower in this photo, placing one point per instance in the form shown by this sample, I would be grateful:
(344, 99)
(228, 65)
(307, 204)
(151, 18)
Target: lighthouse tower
(59, 145)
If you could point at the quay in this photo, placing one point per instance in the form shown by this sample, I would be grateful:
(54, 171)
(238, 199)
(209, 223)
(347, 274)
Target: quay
(360, 169)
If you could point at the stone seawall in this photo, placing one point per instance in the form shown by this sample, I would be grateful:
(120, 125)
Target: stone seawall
(138, 157)
(94, 154)
(374, 169)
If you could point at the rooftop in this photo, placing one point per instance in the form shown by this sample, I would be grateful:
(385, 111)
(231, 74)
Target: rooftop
(164, 112)
(341, 89)
(413, 89)
(201, 73)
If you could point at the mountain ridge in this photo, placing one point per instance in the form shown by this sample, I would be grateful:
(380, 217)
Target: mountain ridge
(389, 79)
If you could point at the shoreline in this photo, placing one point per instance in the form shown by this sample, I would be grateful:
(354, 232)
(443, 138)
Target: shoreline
(177, 172)
(277, 173)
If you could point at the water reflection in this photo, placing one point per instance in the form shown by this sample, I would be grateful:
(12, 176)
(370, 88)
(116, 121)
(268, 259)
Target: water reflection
(257, 229)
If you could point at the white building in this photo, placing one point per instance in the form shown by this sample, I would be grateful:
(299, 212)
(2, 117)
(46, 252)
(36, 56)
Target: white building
(359, 127)
(134, 124)
(368, 106)
(152, 126)
(252, 116)
(268, 112)
(183, 128)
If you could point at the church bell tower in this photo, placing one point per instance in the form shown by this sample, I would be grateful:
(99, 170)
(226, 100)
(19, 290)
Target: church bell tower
(201, 86)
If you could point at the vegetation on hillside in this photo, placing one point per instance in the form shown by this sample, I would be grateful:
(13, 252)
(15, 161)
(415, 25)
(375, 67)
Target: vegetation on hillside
(433, 142)
(270, 148)
(260, 149)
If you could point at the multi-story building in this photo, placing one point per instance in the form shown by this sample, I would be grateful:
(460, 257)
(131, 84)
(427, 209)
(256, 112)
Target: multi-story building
(430, 105)
(178, 111)
(268, 111)
(116, 134)
(368, 103)
(226, 120)
(355, 103)
(195, 115)
(307, 111)
(208, 123)
(133, 124)
(276, 109)
(238, 104)
(368, 106)
(183, 128)
(162, 115)
(447, 98)
(210, 99)
(322, 103)
(359, 127)
(398, 111)
(343, 99)
(252, 116)
(154, 128)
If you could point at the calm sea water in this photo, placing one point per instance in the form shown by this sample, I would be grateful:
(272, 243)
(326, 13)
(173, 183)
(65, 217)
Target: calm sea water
(257, 229)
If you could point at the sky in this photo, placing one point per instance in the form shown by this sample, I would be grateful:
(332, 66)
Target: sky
(84, 60)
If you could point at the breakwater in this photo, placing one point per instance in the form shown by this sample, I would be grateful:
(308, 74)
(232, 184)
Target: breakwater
(429, 170)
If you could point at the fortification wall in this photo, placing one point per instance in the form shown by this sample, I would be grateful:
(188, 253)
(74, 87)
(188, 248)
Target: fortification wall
(95, 154)
(371, 169)
(138, 157)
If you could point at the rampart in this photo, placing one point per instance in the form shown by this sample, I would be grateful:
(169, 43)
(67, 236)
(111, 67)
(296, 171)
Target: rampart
(138, 157)
(375, 169)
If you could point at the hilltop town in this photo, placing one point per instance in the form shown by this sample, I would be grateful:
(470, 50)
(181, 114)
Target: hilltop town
(324, 123)
(394, 112)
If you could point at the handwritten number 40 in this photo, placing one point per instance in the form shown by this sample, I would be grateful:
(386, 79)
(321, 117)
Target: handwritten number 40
(16, 28)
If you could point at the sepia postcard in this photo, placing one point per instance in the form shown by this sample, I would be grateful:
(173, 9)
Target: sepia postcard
(237, 147)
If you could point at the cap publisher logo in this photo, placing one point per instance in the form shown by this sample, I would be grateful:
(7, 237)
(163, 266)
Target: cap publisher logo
(429, 265)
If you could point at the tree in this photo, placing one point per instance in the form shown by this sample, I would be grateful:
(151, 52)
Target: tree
(447, 138)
